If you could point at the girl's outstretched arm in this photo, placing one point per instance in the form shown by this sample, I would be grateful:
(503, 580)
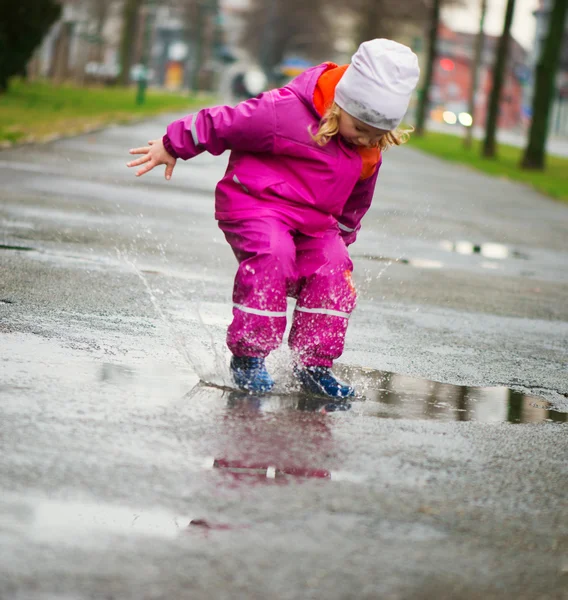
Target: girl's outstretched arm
(249, 126)
(153, 155)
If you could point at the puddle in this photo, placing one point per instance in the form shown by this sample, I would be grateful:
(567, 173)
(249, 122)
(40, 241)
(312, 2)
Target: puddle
(394, 396)
(488, 250)
(420, 263)
(80, 523)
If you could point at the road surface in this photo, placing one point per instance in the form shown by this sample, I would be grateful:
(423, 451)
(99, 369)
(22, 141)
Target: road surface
(124, 476)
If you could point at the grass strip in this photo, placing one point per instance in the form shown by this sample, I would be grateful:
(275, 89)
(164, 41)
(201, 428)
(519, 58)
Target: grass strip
(39, 111)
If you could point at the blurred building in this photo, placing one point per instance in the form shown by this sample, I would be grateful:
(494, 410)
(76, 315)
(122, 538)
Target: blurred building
(83, 44)
(186, 41)
(452, 79)
(559, 120)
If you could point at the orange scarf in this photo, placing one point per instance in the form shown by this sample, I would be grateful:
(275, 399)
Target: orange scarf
(323, 99)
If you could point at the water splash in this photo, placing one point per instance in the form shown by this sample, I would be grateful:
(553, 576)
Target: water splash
(178, 340)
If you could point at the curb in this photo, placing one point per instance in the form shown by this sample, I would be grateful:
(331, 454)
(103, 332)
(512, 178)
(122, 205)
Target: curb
(54, 137)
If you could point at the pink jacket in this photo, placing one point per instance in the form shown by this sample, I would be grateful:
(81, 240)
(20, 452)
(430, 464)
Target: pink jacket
(275, 166)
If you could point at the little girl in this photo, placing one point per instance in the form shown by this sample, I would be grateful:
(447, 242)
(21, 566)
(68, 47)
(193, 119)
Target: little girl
(302, 170)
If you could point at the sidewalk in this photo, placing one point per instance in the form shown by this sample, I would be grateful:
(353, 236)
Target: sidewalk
(557, 146)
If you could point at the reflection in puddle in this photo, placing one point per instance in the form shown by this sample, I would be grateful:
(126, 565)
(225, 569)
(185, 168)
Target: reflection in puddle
(292, 401)
(261, 471)
(273, 439)
(18, 248)
(244, 470)
(395, 396)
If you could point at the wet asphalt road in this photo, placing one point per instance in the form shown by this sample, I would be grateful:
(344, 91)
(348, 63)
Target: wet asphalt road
(124, 477)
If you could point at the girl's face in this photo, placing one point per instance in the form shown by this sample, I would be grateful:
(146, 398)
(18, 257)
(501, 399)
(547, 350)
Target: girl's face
(358, 133)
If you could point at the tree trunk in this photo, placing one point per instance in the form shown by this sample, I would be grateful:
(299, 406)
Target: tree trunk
(515, 406)
(33, 67)
(197, 47)
(129, 25)
(424, 101)
(544, 88)
(61, 53)
(489, 145)
(81, 60)
(268, 49)
(475, 75)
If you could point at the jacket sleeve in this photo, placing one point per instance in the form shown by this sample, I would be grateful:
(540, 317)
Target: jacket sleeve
(356, 206)
(249, 126)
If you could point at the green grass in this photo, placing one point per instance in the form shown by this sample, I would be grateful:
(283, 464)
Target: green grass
(553, 181)
(37, 111)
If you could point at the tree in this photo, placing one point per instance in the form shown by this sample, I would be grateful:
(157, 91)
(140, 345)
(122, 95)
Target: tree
(424, 100)
(535, 153)
(130, 21)
(489, 144)
(475, 74)
(22, 27)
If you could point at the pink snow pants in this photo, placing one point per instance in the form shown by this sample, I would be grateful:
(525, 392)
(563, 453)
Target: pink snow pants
(276, 261)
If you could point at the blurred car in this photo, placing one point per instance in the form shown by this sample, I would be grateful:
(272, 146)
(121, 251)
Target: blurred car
(452, 114)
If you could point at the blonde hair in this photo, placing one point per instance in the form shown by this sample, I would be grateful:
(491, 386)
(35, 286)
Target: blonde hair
(329, 126)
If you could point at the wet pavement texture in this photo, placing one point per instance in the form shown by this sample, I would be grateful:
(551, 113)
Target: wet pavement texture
(130, 470)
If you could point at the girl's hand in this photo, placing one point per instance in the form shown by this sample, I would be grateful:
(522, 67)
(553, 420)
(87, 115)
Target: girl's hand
(153, 155)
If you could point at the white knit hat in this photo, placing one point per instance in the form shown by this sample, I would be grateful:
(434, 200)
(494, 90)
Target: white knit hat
(377, 85)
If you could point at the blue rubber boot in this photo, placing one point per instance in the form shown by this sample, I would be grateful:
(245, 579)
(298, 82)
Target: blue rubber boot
(320, 381)
(250, 374)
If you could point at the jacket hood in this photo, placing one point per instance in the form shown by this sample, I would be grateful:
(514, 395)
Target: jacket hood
(304, 85)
